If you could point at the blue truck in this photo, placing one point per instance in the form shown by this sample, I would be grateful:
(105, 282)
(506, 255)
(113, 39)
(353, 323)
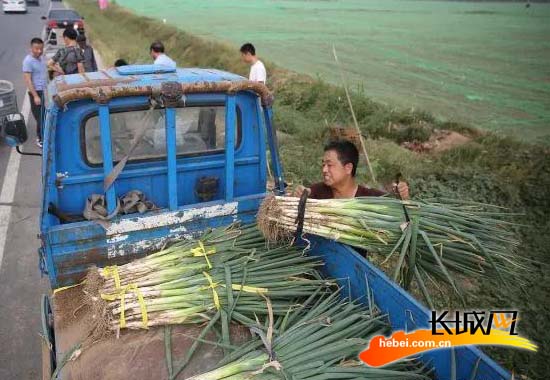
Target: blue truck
(202, 160)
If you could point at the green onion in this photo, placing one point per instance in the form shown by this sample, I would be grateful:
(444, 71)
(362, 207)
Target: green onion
(442, 239)
(321, 342)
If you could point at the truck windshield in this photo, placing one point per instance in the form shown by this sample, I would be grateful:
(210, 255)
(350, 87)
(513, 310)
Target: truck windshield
(199, 130)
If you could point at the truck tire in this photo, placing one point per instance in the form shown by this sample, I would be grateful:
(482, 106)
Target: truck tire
(47, 369)
(48, 340)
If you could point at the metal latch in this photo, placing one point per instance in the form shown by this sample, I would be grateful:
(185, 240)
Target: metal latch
(59, 178)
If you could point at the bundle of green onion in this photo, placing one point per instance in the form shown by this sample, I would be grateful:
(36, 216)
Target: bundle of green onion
(319, 342)
(189, 281)
(439, 238)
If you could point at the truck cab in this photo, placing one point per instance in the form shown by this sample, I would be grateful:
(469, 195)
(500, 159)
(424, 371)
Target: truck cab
(194, 143)
(200, 161)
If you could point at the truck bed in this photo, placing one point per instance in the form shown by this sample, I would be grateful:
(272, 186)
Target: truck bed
(135, 354)
(141, 354)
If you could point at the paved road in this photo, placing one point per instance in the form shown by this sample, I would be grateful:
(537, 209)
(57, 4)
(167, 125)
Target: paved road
(20, 190)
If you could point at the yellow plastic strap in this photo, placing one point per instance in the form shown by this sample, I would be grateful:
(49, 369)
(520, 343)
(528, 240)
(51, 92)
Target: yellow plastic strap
(213, 287)
(200, 251)
(110, 297)
(144, 316)
(249, 289)
(112, 271)
(67, 287)
(122, 308)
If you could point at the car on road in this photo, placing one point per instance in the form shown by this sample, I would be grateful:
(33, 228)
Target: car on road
(62, 19)
(19, 6)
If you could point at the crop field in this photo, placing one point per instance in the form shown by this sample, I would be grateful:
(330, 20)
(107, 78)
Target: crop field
(485, 64)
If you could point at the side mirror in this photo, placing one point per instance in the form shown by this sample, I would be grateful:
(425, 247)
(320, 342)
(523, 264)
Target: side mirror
(44, 18)
(13, 129)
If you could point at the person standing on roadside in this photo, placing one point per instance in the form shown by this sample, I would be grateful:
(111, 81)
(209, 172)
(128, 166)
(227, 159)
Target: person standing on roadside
(156, 51)
(35, 76)
(257, 68)
(88, 53)
(69, 59)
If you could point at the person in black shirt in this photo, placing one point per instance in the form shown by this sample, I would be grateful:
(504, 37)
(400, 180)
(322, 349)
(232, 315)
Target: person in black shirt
(339, 167)
(88, 53)
(68, 59)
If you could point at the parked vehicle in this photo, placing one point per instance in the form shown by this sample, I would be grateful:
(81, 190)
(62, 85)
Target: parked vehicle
(62, 19)
(213, 124)
(14, 6)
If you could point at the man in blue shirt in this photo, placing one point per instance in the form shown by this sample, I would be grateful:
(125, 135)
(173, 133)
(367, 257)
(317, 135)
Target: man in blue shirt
(35, 76)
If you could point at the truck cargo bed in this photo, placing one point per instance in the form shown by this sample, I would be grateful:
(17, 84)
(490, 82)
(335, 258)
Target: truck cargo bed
(135, 354)
(141, 354)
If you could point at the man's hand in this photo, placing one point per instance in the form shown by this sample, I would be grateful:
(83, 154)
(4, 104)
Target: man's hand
(37, 100)
(403, 189)
(57, 68)
(299, 190)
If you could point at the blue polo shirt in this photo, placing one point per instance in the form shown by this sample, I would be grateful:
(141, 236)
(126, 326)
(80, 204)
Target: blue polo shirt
(37, 68)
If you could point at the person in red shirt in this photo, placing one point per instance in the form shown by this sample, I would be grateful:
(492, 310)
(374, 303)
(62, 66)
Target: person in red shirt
(339, 168)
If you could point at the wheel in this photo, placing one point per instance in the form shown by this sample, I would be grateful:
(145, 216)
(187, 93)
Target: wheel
(48, 339)
(47, 369)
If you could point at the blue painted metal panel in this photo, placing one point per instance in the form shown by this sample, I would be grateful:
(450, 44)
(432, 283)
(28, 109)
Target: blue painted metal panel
(76, 246)
(144, 69)
(170, 121)
(66, 234)
(229, 146)
(356, 275)
(105, 134)
(262, 151)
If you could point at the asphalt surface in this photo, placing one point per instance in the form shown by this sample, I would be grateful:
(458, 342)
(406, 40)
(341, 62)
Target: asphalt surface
(21, 285)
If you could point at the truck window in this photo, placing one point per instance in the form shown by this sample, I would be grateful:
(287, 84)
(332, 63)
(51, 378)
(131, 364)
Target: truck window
(199, 130)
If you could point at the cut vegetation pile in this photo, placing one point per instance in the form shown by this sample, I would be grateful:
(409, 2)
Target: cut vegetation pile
(317, 343)
(301, 326)
(228, 268)
(429, 242)
(488, 169)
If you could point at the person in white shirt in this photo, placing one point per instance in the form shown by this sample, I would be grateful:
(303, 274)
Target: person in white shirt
(257, 68)
(157, 53)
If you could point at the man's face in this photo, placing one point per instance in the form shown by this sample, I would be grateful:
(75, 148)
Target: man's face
(334, 172)
(37, 50)
(246, 57)
(153, 54)
(82, 44)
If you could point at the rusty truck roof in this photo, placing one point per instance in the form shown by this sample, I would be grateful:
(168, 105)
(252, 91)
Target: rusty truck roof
(134, 80)
(139, 75)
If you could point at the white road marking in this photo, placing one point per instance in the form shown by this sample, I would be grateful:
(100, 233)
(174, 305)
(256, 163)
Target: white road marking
(9, 184)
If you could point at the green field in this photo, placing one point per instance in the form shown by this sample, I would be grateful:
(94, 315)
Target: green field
(485, 64)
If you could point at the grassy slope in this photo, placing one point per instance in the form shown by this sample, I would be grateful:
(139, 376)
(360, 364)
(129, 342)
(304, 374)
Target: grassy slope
(489, 169)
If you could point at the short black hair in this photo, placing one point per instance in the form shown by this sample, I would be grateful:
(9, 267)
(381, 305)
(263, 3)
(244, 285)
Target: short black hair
(347, 153)
(37, 40)
(157, 47)
(120, 62)
(248, 48)
(81, 38)
(70, 33)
